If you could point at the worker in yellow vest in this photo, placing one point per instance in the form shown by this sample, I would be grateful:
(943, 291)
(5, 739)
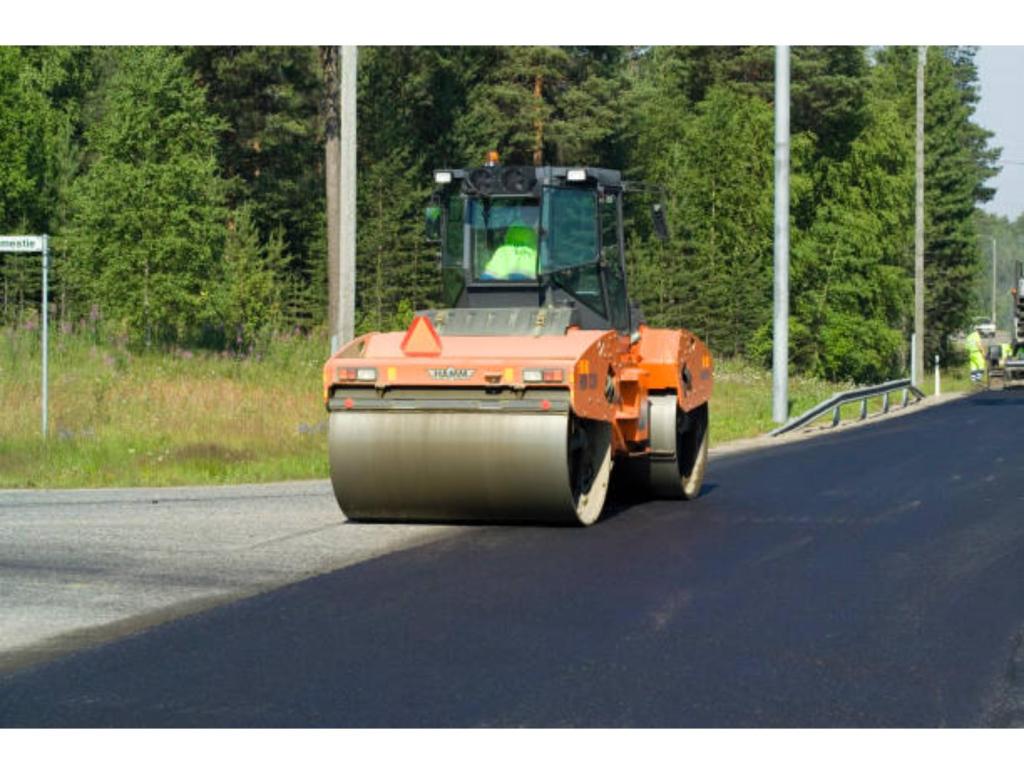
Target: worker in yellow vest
(976, 355)
(516, 259)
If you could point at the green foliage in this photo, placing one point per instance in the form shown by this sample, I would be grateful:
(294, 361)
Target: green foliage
(544, 104)
(270, 142)
(250, 295)
(958, 161)
(394, 263)
(185, 187)
(147, 215)
(160, 418)
(850, 282)
(718, 174)
(21, 137)
(957, 166)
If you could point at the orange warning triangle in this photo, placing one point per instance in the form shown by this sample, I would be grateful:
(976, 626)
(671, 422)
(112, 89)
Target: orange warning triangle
(421, 338)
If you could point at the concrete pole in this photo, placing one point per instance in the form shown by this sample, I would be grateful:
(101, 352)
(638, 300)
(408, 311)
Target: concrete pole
(780, 330)
(45, 315)
(994, 258)
(918, 369)
(331, 59)
(347, 269)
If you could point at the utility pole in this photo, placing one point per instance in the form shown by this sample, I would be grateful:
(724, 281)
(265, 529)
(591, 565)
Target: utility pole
(339, 66)
(45, 318)
(347, 292)
(330, 60)
(780, 329)
(918, 355)
(994, 258)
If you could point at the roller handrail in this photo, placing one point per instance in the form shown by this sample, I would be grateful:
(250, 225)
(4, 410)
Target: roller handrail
(840, 399)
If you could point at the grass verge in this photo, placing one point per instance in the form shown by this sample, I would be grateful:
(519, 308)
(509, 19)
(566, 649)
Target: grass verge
(741, 405)
(122, 419)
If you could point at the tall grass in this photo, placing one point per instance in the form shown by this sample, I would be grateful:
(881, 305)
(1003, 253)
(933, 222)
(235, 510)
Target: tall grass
(741, 403)
(126, 419)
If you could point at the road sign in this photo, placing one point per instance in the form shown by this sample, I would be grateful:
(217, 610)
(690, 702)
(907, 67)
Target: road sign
(21, 244)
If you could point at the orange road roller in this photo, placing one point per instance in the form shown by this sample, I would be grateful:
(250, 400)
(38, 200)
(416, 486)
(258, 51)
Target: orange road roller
(516, 401)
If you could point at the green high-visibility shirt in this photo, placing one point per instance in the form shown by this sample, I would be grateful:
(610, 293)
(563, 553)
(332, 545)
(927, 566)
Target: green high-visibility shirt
(517, 257)
(974, 351)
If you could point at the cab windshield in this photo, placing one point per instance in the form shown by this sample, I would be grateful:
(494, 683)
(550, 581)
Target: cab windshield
(513, 238)
(499, 235)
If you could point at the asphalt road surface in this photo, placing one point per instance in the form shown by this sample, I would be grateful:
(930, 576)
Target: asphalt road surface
(871, 578)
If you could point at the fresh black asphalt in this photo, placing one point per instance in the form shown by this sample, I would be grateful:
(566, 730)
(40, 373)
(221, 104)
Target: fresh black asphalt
(870, 578)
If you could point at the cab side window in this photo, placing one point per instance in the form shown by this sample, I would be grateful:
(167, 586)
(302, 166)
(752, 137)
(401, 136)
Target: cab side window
(611, 257)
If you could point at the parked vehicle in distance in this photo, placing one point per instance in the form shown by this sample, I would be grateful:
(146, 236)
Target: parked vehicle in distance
(985, 327)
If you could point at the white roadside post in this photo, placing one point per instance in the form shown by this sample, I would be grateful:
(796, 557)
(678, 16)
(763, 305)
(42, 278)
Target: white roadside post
(913, 359)
(938, 387)
(36, 244)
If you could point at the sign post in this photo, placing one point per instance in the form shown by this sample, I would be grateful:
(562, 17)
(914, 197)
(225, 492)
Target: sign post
(44, 306)
(36, 244)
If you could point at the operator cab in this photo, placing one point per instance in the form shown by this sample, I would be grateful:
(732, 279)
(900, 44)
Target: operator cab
(516, 236)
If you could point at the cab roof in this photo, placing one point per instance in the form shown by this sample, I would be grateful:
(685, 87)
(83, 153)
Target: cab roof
(524, 180)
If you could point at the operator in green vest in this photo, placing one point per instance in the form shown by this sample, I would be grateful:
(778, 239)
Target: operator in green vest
(977, 356)
(516, 259)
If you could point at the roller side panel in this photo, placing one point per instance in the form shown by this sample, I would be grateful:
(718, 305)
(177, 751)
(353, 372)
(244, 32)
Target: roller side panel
(676, 361)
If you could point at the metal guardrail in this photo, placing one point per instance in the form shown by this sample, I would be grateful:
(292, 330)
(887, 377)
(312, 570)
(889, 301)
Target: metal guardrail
(840, 399)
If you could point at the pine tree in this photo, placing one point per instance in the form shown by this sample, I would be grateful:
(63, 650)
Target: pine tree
(21, 138)
(409, 100)
(147, 220)
(250, 298)
(718, 174)
(714, 157)
(270, 149)
(545, 105)
(851, 285)
(958, 161)
(21, 144)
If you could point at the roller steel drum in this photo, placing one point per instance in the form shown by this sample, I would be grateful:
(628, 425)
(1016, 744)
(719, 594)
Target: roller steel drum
(674, 470)
(468, 466)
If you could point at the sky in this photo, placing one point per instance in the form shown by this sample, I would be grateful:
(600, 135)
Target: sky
(1001, 110)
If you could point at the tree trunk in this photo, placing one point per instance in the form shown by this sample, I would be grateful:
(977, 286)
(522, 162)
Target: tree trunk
(538, 124)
